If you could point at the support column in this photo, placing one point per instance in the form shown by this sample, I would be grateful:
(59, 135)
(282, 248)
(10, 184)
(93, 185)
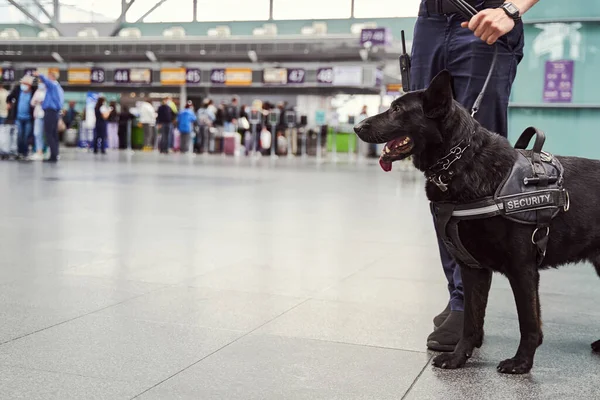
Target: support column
(271, 9)
(352, 9)
(182, 97)
(56, 8)
(195, 10)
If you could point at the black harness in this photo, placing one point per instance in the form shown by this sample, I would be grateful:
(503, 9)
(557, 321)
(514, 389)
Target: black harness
(532, 194)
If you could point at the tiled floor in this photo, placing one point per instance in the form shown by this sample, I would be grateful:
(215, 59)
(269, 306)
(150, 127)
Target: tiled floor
(214, 278)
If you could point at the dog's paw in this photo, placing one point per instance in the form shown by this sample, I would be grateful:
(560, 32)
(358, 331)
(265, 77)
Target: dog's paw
(596, 347)
(450, 361)
(515, 366)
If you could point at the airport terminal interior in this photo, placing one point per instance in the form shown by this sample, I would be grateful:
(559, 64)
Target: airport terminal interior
(201, 220)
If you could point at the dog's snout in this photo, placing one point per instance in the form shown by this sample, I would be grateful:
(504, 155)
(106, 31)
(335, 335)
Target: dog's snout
(362, 126)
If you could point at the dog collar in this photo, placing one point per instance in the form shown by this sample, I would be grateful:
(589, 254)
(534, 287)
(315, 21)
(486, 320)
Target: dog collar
(439, 173)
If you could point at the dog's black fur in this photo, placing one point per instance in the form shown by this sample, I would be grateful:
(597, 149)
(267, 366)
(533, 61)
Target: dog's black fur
(435, 122)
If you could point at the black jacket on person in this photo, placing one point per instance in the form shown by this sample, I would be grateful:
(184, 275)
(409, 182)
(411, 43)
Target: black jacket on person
(165, 114)
(13, 100)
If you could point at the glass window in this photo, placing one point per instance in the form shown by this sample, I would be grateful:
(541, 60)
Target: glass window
(169, 11)
(90, 10)
(233, 10)
(312, 9)
(386, 8)
(10, 14)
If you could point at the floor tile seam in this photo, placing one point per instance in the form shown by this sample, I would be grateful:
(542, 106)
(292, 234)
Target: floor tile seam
(57, 372)
(219, 349)
(73, 319)
(412, 385)
(370, 346)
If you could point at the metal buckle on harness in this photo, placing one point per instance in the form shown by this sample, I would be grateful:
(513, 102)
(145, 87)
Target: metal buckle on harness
(437, 180)
(567, 206)
(536, 231)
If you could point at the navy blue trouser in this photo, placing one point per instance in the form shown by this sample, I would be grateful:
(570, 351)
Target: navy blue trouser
(441, 43)
(51, 130)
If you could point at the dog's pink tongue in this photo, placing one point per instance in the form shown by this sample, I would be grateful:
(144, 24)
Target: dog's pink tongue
(385, 165)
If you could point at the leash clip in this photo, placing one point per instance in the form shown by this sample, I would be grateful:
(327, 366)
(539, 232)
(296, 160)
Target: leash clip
(437, 180)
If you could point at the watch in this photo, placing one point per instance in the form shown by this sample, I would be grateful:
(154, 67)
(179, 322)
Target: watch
(511, 10)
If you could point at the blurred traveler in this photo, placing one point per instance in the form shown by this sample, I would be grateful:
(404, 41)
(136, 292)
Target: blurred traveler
(102, 113)
(185, 121)
(164, 120)
(70, 115)
(372, 147)
(205, 119)
(174, 112)
(148, 120)
(38, 124)
(125, 124)
(3, 104)
(21, 112)
(55, 97)
(232, 113)
(112, 126)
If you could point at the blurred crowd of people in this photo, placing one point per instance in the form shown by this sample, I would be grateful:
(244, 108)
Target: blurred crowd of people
(203, 129)
(34, 109)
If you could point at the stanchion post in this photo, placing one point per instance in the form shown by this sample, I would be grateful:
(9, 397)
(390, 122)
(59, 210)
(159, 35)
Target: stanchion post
(274, 121)
(290, 118)
(129, 150)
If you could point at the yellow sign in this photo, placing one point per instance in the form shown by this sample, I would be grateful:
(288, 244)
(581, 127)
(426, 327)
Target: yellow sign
(238, 76)
(393, 88)
(46, 71)
(79, 76)
(172, 76)
(140, 75)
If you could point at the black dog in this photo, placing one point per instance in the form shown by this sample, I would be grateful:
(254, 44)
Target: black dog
(427, 124)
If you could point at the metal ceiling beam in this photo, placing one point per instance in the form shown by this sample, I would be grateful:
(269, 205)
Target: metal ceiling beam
(42, 9)
(150, 11)
(124, 8)
(28, 14)
(56, 8)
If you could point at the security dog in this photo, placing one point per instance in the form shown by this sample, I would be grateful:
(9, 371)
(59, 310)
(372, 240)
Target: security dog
(429, 125)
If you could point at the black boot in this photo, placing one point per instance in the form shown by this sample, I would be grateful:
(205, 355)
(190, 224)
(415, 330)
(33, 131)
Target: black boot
(448, 334)
(439, 319)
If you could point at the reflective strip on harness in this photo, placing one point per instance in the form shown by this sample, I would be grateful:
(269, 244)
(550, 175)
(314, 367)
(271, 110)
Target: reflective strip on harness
(522, 202)
(495, 209)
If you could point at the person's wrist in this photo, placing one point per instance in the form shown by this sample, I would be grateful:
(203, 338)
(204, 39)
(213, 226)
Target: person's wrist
(511, 11)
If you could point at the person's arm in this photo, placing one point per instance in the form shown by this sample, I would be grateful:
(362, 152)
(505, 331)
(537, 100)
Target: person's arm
(43, 78)
(12, 96)
(492, 23)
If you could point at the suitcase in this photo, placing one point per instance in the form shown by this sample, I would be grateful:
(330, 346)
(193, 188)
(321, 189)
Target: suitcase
(71, 137)
(176, 139)
(8, 141)
(232, 143)
(112, 135)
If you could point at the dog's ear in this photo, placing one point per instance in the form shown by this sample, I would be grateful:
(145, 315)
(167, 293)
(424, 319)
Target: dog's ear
(438, 97)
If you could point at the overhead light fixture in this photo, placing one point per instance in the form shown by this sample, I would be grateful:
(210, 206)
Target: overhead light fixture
(57, 57)
(252, 56)
(107, 52)
(151, 56)
(202, 52)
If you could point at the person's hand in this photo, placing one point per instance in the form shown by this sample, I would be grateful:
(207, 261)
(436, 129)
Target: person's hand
(490, 24)
(36, 74)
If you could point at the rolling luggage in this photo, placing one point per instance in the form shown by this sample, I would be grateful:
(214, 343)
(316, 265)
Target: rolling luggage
(231, 143)
(8, 141)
